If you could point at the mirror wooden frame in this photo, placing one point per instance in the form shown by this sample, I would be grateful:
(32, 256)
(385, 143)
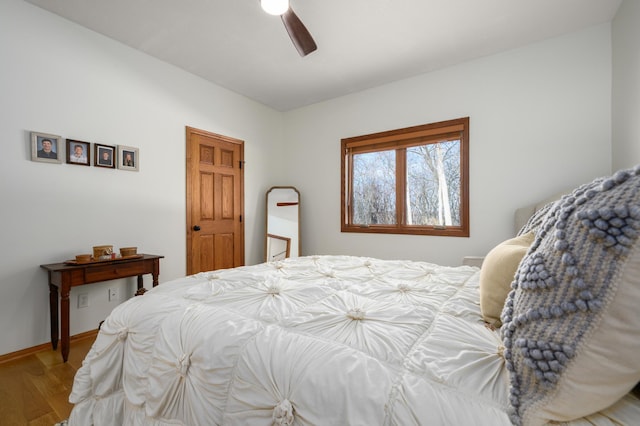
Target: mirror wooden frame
(292, 237)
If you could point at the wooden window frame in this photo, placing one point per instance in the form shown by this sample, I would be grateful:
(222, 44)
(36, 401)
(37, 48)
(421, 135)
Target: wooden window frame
(400, 139)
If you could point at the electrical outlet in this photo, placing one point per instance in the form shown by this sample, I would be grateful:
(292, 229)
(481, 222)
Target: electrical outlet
(83, 300)
(113, 294)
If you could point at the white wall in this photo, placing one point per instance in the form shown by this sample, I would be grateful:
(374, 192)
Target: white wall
(60, 78)
(539, 122)
(626, 85)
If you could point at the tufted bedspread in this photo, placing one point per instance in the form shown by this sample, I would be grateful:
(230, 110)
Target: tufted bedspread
(319, 340)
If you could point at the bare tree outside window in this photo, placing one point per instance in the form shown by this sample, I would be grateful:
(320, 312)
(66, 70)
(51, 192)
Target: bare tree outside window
(411, 181)
(374, 188)
(433, 184)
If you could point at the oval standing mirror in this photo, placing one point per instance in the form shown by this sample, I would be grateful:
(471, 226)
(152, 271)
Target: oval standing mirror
(283, 223)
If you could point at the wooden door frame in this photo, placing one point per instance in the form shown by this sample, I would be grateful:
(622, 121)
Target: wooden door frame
(189, 163)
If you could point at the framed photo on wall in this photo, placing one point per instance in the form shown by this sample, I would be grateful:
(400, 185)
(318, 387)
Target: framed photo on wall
(78, 152)
(46, 148)
(104, 156)
(128, 158)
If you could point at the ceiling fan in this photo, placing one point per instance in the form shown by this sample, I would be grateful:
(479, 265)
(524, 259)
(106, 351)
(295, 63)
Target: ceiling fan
(298, 33)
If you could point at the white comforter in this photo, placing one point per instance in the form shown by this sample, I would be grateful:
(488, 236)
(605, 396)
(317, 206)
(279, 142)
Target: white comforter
(322, 340)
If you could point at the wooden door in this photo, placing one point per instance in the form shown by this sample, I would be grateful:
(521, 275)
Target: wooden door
(215, 201)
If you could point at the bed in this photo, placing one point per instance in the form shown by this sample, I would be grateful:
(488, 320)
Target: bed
(346, 340)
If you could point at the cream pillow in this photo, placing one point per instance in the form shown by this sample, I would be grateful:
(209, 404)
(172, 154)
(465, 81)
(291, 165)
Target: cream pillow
(571, 324)
(496, 275)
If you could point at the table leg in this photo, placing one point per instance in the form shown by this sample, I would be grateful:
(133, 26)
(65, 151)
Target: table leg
(156, 271)
(141, 290)
(64, 317)
(53, 314)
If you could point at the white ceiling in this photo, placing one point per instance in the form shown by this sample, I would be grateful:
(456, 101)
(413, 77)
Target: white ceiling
(361, 43)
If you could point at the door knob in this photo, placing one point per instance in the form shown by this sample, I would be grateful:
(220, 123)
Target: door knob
(196, 228)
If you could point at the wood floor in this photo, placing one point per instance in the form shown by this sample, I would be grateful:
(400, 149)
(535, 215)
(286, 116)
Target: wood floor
(34, 389)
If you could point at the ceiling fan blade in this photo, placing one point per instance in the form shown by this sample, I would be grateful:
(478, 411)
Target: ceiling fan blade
(299, 34)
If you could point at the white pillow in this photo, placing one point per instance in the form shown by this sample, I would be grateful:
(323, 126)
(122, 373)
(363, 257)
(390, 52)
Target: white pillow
(571, 325)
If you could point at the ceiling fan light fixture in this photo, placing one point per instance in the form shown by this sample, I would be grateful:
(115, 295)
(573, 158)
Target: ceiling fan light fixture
(275, 7)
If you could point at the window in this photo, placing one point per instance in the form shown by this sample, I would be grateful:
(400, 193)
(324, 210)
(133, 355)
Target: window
(408, 181)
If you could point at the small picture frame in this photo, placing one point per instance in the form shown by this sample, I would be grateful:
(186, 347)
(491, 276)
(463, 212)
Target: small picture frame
(78, 152)
(104, 156)
(46, 148)
(128, 158)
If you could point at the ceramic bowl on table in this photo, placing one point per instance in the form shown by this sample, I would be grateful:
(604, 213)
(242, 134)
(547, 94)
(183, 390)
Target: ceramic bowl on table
(128, 251)
(83, 258)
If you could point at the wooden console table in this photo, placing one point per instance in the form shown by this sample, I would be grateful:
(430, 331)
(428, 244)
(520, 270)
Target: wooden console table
(63, 276)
